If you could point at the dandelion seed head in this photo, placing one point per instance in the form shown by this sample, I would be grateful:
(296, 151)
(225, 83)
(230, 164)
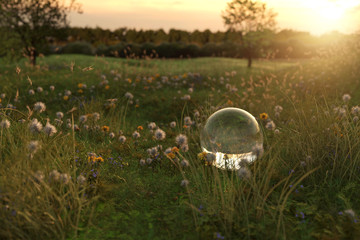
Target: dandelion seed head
(136, 135)
(65, 178)
(122, 139)
(152, 126)
(173, 124)
(83, 118)
(142, 162)
(96, 116)
(244, 173)
(81, 179)
(111, 135)
(159, 134)
(31, 92)
(5, 124)
(346, 97)
(181, 140)
(270, 125)
(39, 89)
(49, 129)
(54, 175)
(59, 115)
(39, 107)
(33, 146)
(52, 88)
(35, 126)
(185, 163)
(184, 183)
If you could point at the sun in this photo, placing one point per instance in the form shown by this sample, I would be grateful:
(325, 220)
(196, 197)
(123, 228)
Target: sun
(331, 12)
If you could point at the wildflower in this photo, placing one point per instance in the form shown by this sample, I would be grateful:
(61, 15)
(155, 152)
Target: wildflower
(83, 118)
(184, 183)
(3, 95)
(31, 92)
(5, 123)
(190, 90)
(54, 175)
(140, 128)
(173, 124)
(168, 150)
(258, 150)
(96, 116)
(270, 125)
(39, 107)
(107, 87)
(67, 93)
(170, 155)
(39, 176)
(174, 150)
(187, 121)
(33, 147)
(263, 116)
(52, 88)
(278, 108)
(49, 129)
(355, 119)
(185, 163)
(35, 126)
(99, 159)
(122, 139)
(184, 147)
(105, 128)
(149, 161)
(244, 172)
(65, 178)
(81, 179)
(218, 236)
(129, 96)
(66, 98)
(159, 134)
(186, 97)
(111, 135)
(152, 151)
(181, 140)
(142, 162)
(152, 126)
(277, 131)
(350, 213)
(355, 110)
(136, 135)
(86, 127)
(59, 115)
(39, 89)
(346, 97)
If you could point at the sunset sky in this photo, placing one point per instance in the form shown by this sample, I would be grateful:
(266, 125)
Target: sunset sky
(314, 16)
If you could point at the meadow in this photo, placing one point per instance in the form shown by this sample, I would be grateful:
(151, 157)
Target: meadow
(107, 148)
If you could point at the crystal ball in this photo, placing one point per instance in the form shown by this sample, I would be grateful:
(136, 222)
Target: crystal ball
(232, 138)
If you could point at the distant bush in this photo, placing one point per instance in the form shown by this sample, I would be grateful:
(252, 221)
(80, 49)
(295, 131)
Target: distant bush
(78, 48)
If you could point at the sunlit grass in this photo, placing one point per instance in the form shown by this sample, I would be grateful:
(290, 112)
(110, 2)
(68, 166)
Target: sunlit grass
(303, 187)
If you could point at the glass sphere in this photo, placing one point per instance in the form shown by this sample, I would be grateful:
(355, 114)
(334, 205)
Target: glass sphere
(231, 138)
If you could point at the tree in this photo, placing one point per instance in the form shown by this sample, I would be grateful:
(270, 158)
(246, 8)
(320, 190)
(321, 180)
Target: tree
(249, 19)
(33, 21)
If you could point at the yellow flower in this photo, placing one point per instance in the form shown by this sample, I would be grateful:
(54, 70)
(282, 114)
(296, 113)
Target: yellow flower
(184, 75)
(0, 100)
(107, 87)
(170, 155)
(157, 75)
(229, 102)
(140, 128)
(105, 128)
(263, 116)
(137, 105)
(129, 80)
(202, 155)
(66, 98)
(80, 85)
(137, 80)
(175, 149)
(80, 91)
(99, 159)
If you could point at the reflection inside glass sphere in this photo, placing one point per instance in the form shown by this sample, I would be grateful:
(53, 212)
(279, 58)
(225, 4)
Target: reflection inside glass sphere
(233, 137)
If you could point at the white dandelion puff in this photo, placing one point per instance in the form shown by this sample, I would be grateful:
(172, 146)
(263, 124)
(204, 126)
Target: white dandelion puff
(5, 124)
(181, 139)
(136, 135)
(159, 134)
(49, 129)
(35, 126)
(39, 107)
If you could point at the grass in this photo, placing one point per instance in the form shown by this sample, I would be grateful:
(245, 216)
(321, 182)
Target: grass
(303, 187)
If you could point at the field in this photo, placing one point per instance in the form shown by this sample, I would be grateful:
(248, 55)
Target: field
(94, 165)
